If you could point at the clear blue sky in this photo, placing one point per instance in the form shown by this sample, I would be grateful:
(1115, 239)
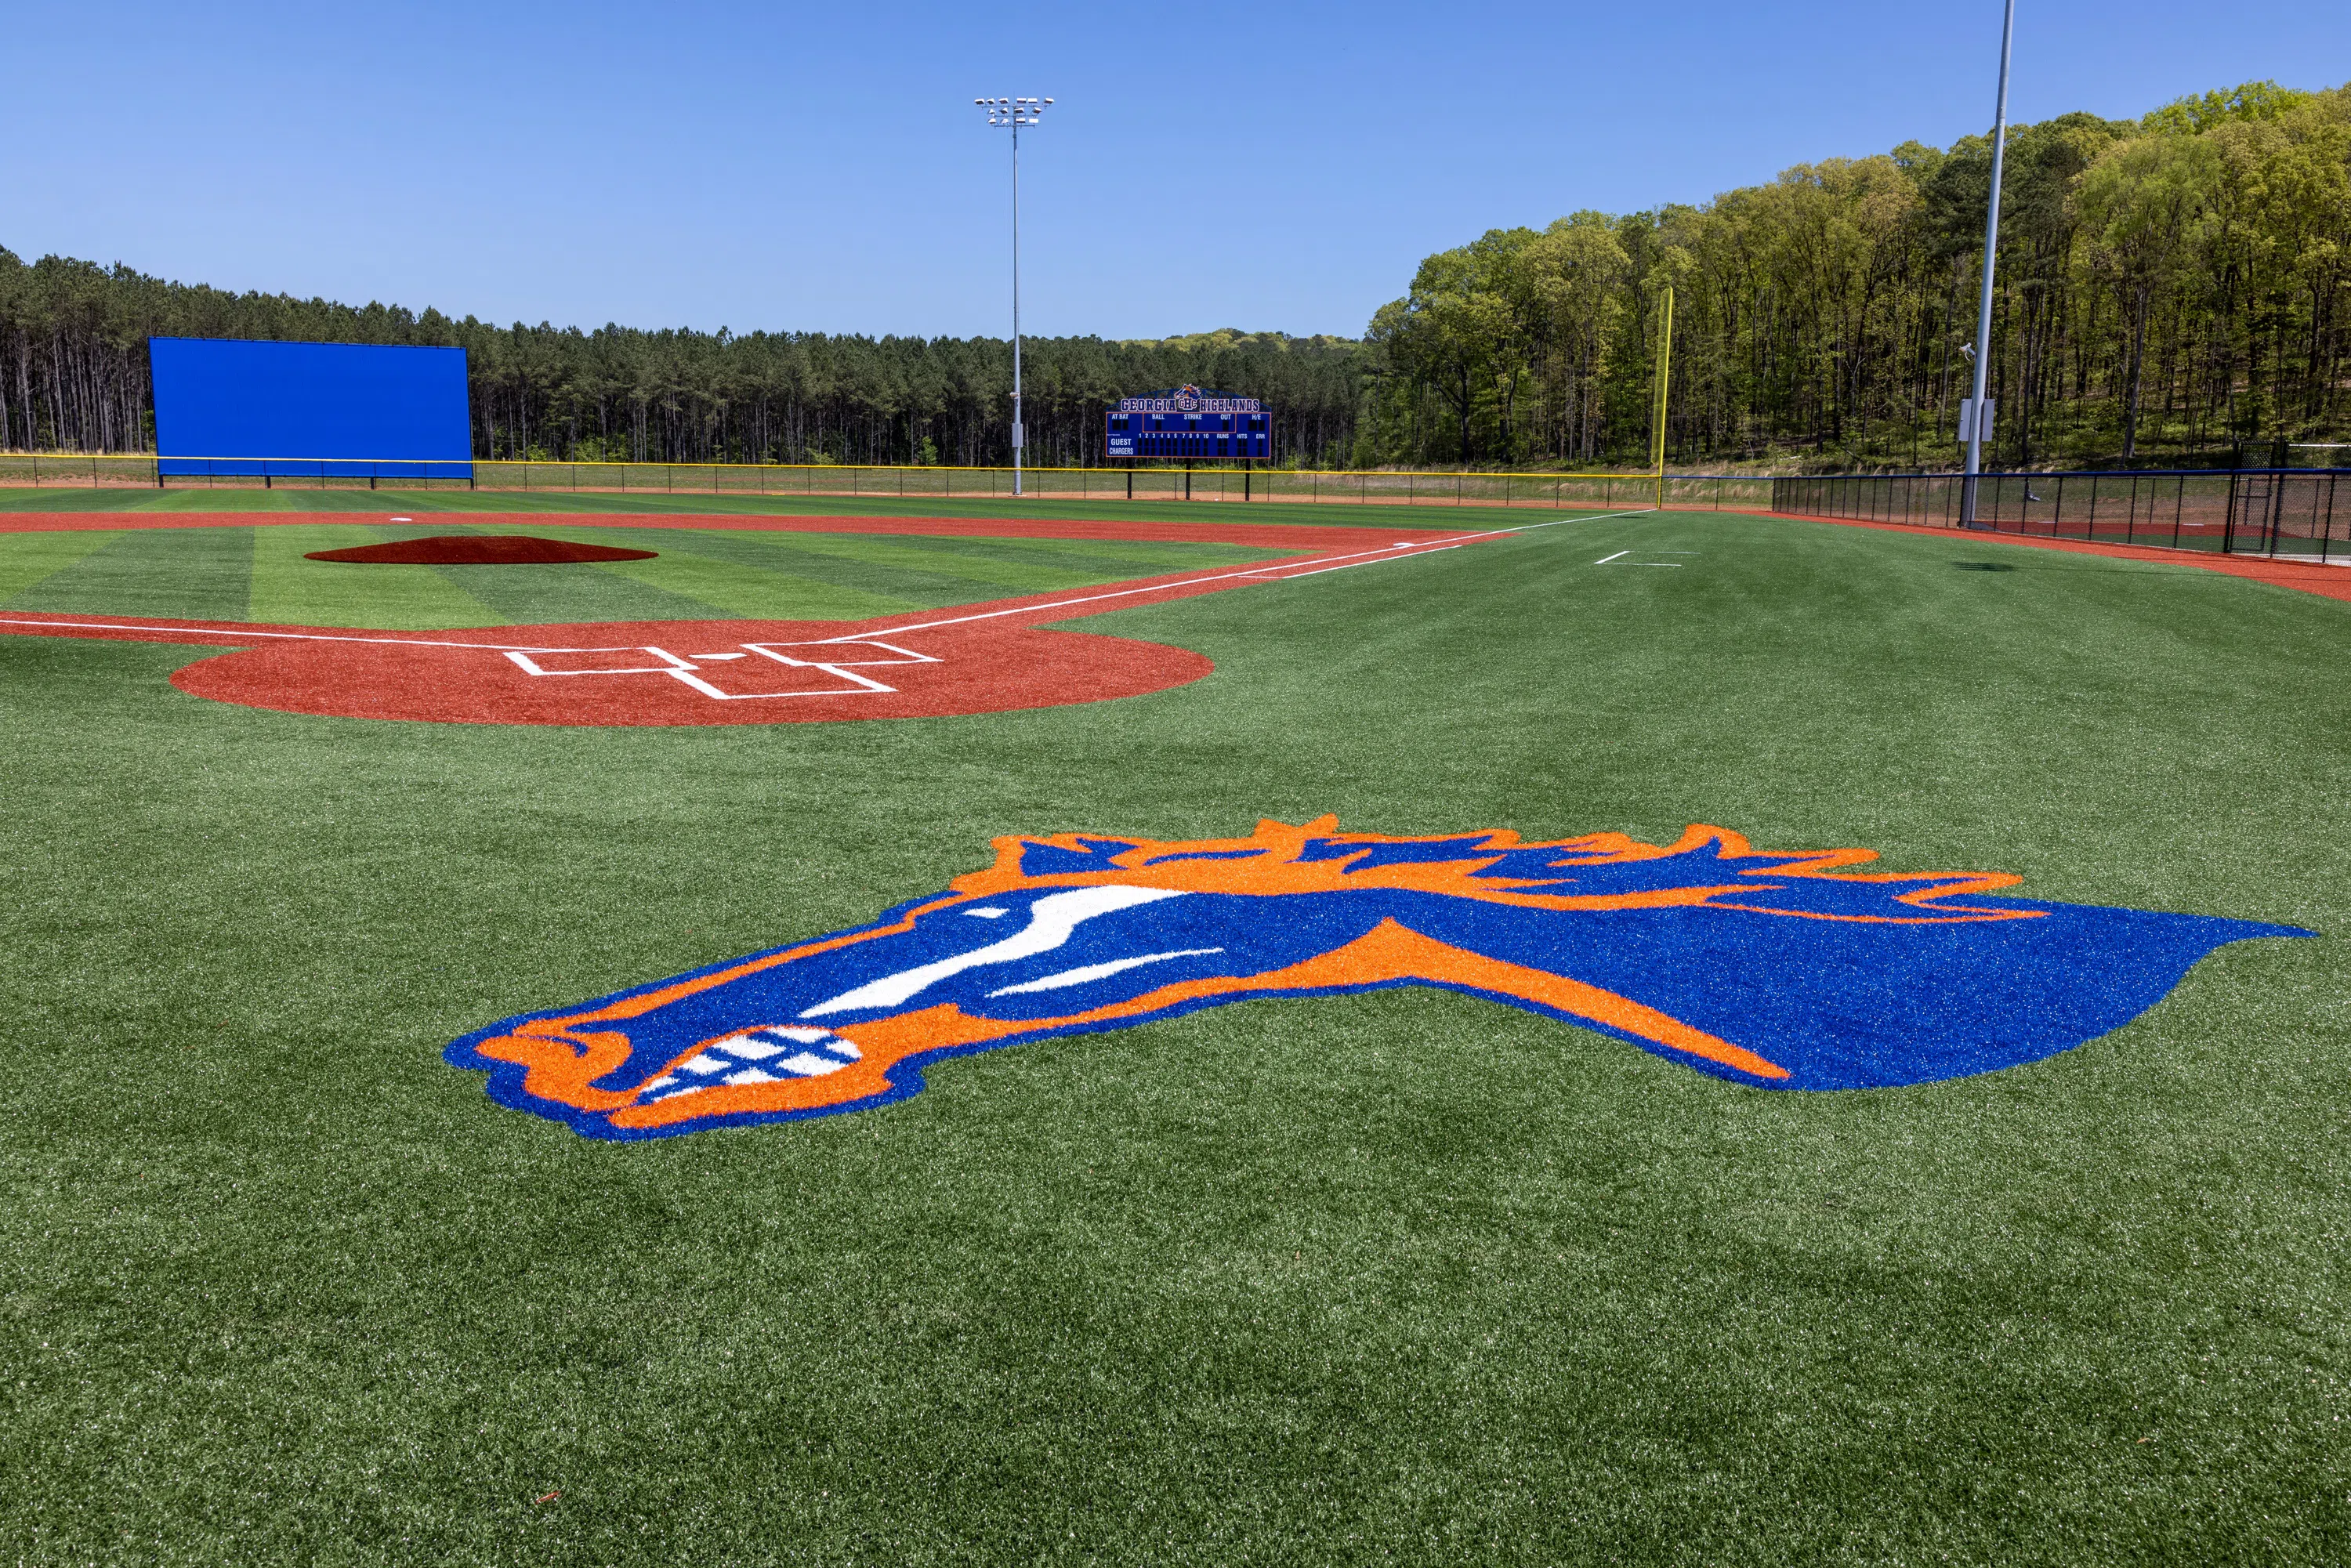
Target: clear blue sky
(781, 166)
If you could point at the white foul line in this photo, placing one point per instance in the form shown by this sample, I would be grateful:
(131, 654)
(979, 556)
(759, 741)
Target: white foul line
(1264, 574)
(1351, 565)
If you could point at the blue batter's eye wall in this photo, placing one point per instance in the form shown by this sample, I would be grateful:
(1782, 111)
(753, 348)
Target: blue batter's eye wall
(300, 409)
(1185, 422)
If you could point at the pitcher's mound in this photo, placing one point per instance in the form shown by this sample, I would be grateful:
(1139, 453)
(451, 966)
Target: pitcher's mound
(479, 550)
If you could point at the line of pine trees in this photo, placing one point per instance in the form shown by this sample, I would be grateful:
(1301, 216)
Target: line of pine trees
(74, 377)
(2169, 288)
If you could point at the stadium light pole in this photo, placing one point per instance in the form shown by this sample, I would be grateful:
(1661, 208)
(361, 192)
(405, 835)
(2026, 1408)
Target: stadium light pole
(1013, 113)
(1981, 358)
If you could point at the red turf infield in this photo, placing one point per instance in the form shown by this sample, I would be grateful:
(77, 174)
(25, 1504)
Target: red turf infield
(970, 659)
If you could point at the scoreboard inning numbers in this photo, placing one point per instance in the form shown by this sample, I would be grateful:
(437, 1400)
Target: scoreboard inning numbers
(1185, 422)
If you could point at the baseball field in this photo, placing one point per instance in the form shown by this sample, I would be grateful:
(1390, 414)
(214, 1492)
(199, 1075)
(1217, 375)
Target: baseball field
(1070, 1032)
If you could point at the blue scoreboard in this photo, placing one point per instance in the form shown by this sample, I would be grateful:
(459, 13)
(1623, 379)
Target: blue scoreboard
(1185, 422)
(231, 406)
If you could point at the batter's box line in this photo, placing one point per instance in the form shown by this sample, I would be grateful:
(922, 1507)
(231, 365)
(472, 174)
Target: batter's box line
(688, 672)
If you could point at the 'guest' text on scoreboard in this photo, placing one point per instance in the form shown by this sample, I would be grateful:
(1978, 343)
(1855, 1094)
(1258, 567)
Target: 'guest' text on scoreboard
(1185, 422)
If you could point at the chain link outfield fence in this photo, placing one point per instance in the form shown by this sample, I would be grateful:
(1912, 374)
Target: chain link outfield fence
(2255, 511)
(2289, 512)
(687, 479)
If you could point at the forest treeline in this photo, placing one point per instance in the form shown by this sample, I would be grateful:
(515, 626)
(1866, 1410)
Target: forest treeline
(74, 376)
(2168, 287)
(2164, 287)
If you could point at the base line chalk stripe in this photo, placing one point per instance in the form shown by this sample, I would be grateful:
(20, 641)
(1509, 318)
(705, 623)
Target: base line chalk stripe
(1313, 568)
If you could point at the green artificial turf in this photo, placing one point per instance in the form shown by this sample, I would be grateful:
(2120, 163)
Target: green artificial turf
(263, 574)
(1400, 1277)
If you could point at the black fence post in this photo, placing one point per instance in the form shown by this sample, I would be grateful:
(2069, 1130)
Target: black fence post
(2326, 528)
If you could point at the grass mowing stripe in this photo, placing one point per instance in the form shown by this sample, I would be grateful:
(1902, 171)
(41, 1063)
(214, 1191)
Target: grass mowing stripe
(575, 591)
(195, 574)
(723, 570)
(943, 566)
(757, 592)
(850, 572)
(1104, 560)
(238, 500)
(291, 591)
(843, 569)
(47, 499)
(27, 558)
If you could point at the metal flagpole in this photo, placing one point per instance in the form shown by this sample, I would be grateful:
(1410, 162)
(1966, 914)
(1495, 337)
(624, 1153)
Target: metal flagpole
(1015, 112)
(1019, 435)
(1658, 412)
(1981, 356)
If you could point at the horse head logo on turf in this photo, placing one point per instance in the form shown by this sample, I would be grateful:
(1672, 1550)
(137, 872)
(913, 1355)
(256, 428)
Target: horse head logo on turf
(1781, 970)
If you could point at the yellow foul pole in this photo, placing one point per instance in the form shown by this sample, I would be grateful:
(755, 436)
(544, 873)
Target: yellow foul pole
(1657, 410)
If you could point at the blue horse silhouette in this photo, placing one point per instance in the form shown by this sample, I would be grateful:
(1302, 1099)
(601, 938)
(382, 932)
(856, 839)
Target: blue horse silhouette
(1779, 969)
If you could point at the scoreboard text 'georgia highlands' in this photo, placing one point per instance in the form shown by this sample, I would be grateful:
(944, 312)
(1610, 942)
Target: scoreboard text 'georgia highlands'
(1185, 422)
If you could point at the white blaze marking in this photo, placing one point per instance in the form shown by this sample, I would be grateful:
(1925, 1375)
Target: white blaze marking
(1093, 972)
(759, 1044)
(749, 1049)
(1051, 920)
(808, 1064)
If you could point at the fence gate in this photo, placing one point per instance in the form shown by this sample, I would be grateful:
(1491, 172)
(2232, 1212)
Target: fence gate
(2253, 497)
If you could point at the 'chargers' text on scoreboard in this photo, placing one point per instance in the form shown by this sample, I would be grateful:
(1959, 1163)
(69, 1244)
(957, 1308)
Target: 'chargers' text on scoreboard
(1185, 422)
